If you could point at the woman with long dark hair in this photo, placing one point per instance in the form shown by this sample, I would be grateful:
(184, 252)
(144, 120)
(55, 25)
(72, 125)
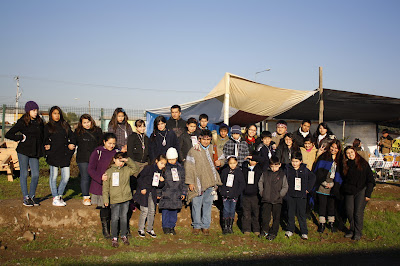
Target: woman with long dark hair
(161, 139)
(120, 127)
(357, 187)
(29, 149)
(322, 135)
(59, 143)
(286, 148)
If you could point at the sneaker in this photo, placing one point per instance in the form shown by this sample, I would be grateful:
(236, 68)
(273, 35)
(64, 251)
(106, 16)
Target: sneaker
(114, 242)
(263, 235)
(271, 237)
(349, 235)
(151, 233)
(35, 202)
(62, 201)
(356, 238)
(125, 240)
(28, 202)
(172, 232)
(166, 230)
(141, 233)
(57, 202)
(86, 201)
(304, 236)
(288, 234)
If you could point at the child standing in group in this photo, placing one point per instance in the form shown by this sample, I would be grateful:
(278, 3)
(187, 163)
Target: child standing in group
(149, 180)
(286, 148)
(120, 127)
(235, 146)
(59, 143)
(161, 139)
(218, 145)
(117, 193)
(266, 149)
(233, 185)
(188, 139)
(98, 163)
(203, 122)
(173, 192)
(29, 149)
(273, 186)
(252, 172)
(138, 145)
(88, 137)
(300, 181)
(309, 152)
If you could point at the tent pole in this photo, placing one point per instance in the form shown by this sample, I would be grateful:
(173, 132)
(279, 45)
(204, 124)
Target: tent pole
(344, 126)
(226, 99)
(321, 97)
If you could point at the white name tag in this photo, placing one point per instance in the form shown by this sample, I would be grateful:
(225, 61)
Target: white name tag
(229, 181)
(250, 178)
(269, 154)
(297, 183)
(115, 179)
(175, 175)
(156, 180)
(194, 140)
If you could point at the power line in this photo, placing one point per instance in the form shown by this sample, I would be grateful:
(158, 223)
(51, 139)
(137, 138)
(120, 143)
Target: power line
(99, 85)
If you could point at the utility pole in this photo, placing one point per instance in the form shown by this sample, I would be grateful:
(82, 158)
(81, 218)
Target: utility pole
(17, 98)
(321, 97)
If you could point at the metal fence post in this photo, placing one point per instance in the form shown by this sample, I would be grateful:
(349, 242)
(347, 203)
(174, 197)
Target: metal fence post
(102, 119)
(3, 123)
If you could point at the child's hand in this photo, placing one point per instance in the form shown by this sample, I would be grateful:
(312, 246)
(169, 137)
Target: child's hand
(106, 204)
(47, 147)
(197, 147)
(123, 159)
(191, 187)
(158, 197)
(249, 157)
(274, 146)
(217, 163)
(104, 177)
(321, 150)
(182, 197)
(124, 148)
(71, 147)
(307, 191)
(162, 179)
(367, 199)
(143, 191)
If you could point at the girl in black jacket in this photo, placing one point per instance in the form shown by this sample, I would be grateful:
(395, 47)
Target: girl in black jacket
(358, 184)
(161, 139)
(88, 137)
(232, 186)
(59, 143)
(30, 148)
(286, 148)
(138, 145)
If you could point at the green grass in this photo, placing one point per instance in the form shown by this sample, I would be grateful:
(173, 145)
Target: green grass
(51, 242)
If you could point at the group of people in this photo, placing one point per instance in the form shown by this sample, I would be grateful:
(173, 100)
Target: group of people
(183, 162)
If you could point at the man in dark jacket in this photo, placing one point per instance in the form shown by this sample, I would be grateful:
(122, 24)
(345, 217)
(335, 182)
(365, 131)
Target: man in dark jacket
(303, 131)
(176, 123)
(273, 187)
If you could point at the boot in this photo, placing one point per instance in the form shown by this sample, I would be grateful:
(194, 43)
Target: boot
(230, 225)
(332, 227)
(105, 224)
(225, 226)
(321, 228)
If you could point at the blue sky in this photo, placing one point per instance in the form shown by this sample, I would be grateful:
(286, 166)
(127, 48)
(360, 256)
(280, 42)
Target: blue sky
(189, 45)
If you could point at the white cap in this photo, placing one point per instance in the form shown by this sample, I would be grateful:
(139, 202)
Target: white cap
(172, 154)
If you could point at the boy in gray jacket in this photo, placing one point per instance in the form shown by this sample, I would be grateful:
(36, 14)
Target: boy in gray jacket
(272, 186)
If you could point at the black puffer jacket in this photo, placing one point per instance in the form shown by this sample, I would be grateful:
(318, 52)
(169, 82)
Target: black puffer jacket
(185, 144)
(238, 183)
(178, 126)
(251, 189)
(145, 181)
(307, 180)
(87, 141)
(357, 179)
(173, 190)
(59, 153)
(33, 145)
(135, 149)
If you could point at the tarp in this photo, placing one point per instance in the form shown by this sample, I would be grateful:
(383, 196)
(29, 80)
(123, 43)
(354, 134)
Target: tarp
(347, 106)
(249, 102)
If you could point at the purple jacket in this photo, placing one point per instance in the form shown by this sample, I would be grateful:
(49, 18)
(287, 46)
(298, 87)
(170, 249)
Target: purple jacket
(98, 163)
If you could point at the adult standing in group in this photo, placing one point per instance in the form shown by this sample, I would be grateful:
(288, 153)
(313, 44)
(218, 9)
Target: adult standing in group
(138, 145)
(303, 131)
(281, 130)
(29, 149)
(251, 138)
(176, 123)
(121, 128)
(322, 136)
(202, 179)
(385, 142)
(357, 187)
(161, 139)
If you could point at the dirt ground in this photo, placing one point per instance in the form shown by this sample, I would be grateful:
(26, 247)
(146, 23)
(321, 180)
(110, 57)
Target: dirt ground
(75, 230)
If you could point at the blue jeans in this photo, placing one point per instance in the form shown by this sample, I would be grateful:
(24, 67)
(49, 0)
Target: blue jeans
(53, 180)
(119, 216)
(85, 178)
(201, 209)
(169, 218)
(229, 208)
(24, 163)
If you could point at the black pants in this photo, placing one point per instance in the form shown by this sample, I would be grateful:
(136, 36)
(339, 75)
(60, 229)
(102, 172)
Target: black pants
(297, 207)
(251, 214)
(326, 207)
(355, 205)
(267, 209)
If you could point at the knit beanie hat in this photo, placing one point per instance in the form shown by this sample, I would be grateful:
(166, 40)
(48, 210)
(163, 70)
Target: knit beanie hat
(236, 130)
(172, 154)
(31, 105)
